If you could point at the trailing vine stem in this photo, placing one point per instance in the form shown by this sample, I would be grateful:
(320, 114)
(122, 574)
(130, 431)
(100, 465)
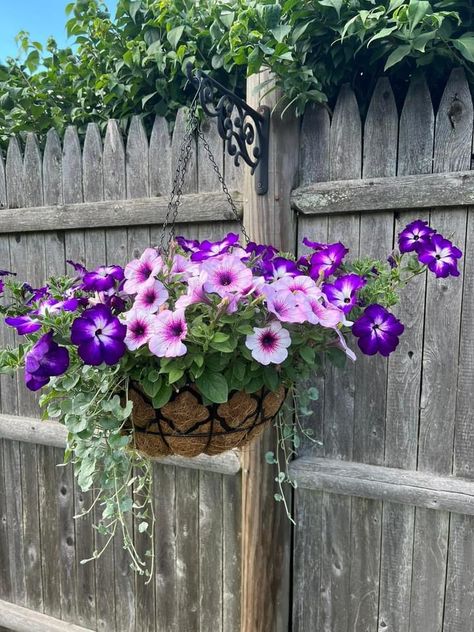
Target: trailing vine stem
(289, 434)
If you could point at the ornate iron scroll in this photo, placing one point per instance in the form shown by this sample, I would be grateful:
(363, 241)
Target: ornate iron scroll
(244, 130)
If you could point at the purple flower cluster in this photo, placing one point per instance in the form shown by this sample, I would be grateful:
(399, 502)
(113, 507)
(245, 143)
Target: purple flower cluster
(45, 360)
(154, 301)
(432, 249)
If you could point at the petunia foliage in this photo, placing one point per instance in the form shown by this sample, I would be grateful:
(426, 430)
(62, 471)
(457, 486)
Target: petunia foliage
(221, 317)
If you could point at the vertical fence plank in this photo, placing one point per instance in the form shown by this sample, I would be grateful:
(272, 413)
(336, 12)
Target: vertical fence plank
(49, 457)
(210, 485)
(27, 259)
(187, 534)
(12, 577)
(459, 607)
(114, 187)
(163, 476)
(74, 250)
(415, 155)
(380, 159)
(137, 175)
(314, 167)
(453, 143)
(159, 156)
(345, 162)
(58, 483)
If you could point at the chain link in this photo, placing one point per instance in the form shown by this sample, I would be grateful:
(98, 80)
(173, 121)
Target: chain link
(185, 153)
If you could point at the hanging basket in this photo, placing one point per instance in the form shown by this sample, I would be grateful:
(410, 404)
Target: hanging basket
(185, 426)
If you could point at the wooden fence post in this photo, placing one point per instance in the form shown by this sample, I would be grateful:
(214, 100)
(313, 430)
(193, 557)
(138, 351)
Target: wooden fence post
(265, 527)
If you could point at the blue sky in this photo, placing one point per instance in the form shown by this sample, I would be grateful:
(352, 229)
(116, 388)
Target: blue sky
(40, 17)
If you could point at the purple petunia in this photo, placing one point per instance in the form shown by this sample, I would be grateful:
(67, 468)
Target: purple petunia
(151, 297)
(99, 336)
(415, 236)
(170, 331)
(141, 272)
(140, 328)
(208, 249)
(377, 331)
(226, 274)
(326, 261)
(44, 360)
(102, 278)
(343, 292)
(440, 256)
(278, 268)
(269, 345)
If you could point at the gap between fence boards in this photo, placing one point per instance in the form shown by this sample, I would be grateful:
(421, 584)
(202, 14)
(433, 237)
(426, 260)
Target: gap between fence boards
(420, 489)
(52, 433)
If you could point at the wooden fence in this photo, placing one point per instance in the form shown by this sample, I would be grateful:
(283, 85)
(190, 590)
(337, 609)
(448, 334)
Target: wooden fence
(384, 540)
(93, 205)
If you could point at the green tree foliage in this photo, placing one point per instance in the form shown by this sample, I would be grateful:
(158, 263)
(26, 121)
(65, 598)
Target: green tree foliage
(133, 62)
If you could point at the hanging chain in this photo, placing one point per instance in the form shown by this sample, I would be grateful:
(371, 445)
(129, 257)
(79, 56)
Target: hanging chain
(220, 177)
(185, 153)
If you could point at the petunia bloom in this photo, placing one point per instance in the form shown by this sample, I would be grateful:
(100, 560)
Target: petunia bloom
(415, 236)
(102, 278)
(284, 305)
(326, 261)
(343, 292)
(226, 274)
(29, 323)
(377, 331)
(44, 360)
(99, 336)
(269, 345)
(208, 249)
(140, 328)
(170, 331)
(440, 256)
(151, 297)
(141, 272)
(278, 268)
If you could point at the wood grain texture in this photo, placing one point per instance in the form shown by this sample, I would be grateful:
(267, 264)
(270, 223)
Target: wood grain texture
(307, 549)
(416, 134)
(265, 528)
(375, 240)
(159, 167)
(15, 618)
(145, 211)
(441, 493)
(391, 193)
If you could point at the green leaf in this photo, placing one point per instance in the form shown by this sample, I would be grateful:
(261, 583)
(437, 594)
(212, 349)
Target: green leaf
(397, 55)
(335, 4)
(174, 35)
(308, 354)
(419, 43)
(465, 45)
(281, 31)
(227, 17)
(270, 458)
(162, 397)
(213, 386)
(313, 393)
(271, 378)
(417, 9)
(142, 527)
(118, 441)
(134, 7)
(382, 33)
(175, 374)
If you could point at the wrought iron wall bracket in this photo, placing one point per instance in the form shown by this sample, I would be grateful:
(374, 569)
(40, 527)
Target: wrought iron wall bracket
(244, 130)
